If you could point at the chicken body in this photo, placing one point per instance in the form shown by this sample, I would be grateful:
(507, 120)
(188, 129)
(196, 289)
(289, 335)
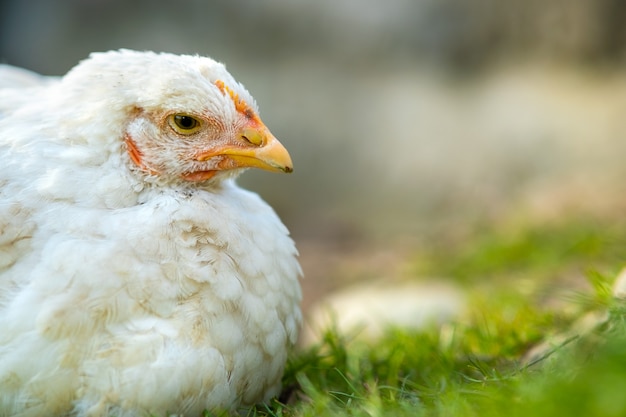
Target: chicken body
(136, 277)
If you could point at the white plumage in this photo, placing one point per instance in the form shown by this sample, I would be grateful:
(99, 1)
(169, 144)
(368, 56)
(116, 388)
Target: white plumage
(136, 277)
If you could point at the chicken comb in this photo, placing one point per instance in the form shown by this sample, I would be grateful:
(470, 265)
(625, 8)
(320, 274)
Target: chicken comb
(240, 105)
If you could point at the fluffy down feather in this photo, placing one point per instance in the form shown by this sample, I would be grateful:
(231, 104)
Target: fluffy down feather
(136, 277)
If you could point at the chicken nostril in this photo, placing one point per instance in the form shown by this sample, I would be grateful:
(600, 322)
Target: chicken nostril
(252, 140)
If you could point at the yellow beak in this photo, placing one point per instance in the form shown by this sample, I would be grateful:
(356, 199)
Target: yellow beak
(266, 151)
(256, 148)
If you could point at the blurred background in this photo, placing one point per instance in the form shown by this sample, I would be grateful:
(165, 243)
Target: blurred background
(409, 121)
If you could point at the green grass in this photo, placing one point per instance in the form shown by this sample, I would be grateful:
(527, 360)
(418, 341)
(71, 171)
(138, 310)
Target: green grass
(477, 366)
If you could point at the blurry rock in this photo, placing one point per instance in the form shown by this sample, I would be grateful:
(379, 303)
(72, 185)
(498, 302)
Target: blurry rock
(369, 309)
(619, 287)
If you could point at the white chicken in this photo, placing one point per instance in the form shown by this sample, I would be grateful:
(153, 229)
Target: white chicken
(136, 277)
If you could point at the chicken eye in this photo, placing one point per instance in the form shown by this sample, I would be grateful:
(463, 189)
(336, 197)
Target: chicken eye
(184, 124)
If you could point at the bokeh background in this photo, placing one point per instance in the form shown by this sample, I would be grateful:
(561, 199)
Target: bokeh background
(407, 120)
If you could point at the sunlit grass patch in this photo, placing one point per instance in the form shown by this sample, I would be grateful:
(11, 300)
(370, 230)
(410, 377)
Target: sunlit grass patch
(485, 364)
(475, 368)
